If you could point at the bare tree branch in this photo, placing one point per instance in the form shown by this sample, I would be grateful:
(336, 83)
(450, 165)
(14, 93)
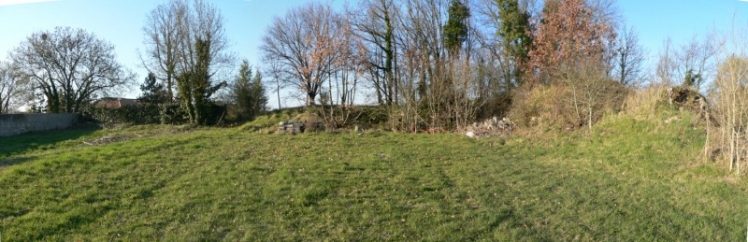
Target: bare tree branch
(71, 67)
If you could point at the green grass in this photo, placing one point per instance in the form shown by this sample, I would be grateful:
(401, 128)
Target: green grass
(630, 180)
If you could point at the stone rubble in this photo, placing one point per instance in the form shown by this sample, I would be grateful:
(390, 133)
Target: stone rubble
(490, 127)
(106, 140)
(291, 127)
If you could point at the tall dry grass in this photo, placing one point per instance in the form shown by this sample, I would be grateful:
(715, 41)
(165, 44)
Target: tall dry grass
(643, 103)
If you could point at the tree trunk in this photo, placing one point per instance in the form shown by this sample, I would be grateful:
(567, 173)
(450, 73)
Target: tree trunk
(277, 90)
(310, 98)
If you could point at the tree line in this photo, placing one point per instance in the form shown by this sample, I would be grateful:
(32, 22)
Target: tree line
(446, 63)
(431, 64)
(67, 69)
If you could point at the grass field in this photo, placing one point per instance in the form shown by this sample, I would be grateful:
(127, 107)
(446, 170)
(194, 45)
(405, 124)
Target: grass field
(629, 180)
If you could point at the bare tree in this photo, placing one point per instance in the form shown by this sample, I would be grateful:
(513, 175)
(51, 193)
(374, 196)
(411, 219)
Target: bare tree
(71, 67)
(732, 108)
(591, 91)
(695, 60)
(730, 102)
(690, 64)
(375, 24)
(666, 64)
(346, 69)
(12, 87)
(304, 43)
(427, 81)
(187, 48)
(162, 39)
(344, 73)
(605, 12)
(278, 78)
(204, 22)
(628, 58)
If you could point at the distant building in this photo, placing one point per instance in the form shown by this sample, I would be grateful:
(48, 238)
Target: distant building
(113, 102)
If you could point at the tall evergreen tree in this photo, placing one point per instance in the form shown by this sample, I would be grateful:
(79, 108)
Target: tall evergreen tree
(259, 99)
(247, 95)
(456, 29)
(153, 92)
(514, 30)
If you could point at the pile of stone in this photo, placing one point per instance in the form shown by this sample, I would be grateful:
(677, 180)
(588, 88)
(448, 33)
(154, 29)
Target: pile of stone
(291, 127)
(490, 127)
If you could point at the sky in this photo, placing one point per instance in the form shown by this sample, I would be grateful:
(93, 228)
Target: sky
(681, 20)
(121, 21)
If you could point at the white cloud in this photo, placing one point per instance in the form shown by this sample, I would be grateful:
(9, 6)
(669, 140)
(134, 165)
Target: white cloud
(16, 2)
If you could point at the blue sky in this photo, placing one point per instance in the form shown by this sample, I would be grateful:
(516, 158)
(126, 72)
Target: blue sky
(120, 21)
(656, 20)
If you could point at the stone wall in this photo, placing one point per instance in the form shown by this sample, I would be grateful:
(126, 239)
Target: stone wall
(15, 124)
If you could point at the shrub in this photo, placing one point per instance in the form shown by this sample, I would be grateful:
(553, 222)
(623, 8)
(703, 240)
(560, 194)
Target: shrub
(172, 114)
(541, 107)
(137, 114)
(567, 107)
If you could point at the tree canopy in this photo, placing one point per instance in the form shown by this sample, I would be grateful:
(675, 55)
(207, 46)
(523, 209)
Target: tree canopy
(70, 67)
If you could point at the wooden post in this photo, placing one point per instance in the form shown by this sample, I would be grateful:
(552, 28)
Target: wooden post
(706, 143)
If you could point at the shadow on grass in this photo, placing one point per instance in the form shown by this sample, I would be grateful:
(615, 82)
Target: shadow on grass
(31, 141)
(12, 161)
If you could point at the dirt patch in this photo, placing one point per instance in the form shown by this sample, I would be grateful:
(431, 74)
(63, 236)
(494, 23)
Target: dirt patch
(106, 140)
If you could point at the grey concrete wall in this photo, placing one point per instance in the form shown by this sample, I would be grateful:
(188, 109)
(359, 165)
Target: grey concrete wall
(15, 124)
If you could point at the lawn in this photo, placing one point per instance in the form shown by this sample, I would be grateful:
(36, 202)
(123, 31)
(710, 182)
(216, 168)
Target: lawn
(629, 180)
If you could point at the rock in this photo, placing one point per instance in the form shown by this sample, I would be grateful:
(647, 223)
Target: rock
(490, 127)
(292, 127)
(671, 119)
(470, 134)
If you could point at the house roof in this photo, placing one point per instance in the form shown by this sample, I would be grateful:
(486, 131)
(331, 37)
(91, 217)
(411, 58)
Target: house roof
(113, 102)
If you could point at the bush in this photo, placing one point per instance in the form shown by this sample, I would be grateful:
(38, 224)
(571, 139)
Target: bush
(138, 114)
(567, 107)
(215, 114)
(370, 116)
(540, 107)
(495, 106)
(172, 114)
(363, 116)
